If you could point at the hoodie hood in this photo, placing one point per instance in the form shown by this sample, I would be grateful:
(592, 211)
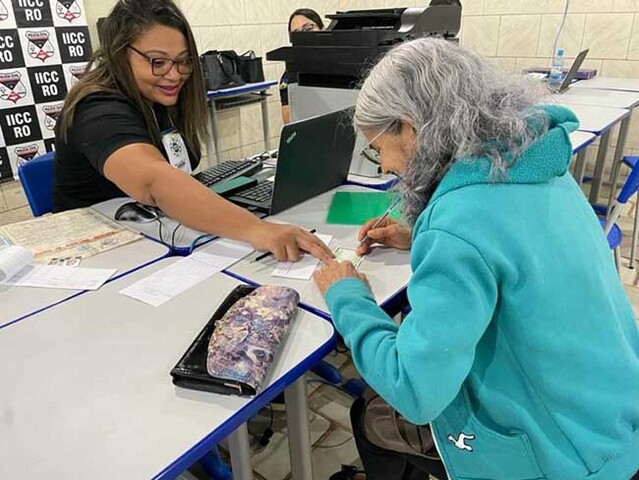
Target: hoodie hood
(548, 157)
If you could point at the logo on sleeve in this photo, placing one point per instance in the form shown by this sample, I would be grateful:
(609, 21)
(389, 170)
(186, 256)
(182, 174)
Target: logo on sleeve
(40, 46)
(11, 87)
(460, 441)
(68, 10)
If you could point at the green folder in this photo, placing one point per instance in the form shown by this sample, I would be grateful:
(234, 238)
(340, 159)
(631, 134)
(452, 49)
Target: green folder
(356, 208)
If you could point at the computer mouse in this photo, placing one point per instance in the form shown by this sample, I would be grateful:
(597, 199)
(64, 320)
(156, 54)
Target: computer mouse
(134, 212)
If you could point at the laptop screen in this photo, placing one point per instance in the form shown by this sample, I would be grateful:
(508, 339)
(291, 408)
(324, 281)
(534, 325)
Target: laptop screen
(573, 71)
(314, 156)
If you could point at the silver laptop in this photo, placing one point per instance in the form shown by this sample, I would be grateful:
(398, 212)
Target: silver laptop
(574, 68)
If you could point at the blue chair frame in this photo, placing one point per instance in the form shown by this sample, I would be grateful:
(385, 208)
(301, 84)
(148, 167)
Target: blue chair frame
(36, 177)
(611, 229)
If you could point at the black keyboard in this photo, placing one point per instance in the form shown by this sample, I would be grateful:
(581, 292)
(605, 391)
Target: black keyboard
(260, 193)
(228, 170)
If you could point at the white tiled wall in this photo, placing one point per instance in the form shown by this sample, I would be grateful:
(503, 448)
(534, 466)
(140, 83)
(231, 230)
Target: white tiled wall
(514, 33)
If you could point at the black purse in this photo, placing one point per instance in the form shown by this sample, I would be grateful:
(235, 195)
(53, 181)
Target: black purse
(235, 349)
(250, 67)
(220, 70)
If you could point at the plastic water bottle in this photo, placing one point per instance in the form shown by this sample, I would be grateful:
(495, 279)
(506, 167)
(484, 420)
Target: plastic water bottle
(556, 69)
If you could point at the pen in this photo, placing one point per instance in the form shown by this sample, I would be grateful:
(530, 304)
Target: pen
(268, 254)
(379, 221)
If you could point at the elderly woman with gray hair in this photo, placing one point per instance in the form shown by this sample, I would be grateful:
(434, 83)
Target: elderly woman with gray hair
(521, 349)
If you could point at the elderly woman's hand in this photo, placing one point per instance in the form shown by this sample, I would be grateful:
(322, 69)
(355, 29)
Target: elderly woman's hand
(332, 271)
(390, 233)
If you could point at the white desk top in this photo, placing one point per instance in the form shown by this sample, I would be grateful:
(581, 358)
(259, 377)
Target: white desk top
(86, 390)
(388, 270)
(581, 140)
(600, 98)
(18, 302)
(610, 83)
(597, 119)
(182, 240)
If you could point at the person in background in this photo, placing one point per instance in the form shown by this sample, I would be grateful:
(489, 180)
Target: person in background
(134, 125)
(521, 349)
(301, 20)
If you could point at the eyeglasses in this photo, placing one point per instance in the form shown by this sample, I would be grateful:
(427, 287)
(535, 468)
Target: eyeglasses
(161, 66)
(308, 27)
(369, 152)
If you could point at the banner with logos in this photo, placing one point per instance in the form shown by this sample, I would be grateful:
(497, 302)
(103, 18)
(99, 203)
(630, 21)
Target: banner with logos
(44, 49)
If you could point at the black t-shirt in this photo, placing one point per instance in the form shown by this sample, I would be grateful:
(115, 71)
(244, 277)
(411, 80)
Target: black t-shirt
(102, 124)
(287, 78)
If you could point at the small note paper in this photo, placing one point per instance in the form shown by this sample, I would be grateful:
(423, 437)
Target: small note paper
(304, 268)
(342, 254)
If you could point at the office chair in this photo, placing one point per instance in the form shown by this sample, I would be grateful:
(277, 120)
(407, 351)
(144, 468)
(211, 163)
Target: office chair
(611, 229)
(36, 177)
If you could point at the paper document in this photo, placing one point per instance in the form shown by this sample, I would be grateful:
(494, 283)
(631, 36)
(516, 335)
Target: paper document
(227, 252)
(73, 278)
(342, 254)
(175, 279)
(13, 260)
(304, 268)
(82, 233)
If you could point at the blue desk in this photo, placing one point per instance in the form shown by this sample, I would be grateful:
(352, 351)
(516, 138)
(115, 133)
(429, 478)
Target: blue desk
(250, 88)
(86, 388)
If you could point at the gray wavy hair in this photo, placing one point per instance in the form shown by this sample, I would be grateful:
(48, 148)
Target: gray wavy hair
(460, 105)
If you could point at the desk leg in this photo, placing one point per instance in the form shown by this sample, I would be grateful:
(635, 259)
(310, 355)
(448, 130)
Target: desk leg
(214, 133)
(599, 167)
(621, 144)
(265, 123)
(299, 438)
(240, 454)
(580, 166)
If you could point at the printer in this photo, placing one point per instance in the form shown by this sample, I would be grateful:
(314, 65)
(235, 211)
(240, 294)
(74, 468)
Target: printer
(330, 64)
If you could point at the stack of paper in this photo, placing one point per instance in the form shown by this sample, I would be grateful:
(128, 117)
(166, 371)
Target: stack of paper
(16, 270)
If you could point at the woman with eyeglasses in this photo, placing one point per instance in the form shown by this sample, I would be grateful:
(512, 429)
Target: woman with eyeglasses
(134, 126)
(301, 20)
(521, 349)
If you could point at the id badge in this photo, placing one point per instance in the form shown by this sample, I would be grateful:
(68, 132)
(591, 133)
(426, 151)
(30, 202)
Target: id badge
(175, 148)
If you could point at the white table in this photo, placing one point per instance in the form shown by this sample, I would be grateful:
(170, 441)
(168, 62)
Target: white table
(19, 302)
(609, 83)
(178, 244)
(600, 121)
(608, 98)
(87, 393)
(387, 269)
(250, 88)
(581, 140)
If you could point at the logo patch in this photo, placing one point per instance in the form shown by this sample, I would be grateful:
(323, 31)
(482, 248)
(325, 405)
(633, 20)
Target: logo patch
(68, 10)
(52, 113)
(40, 46)
(11, 87)
(4, 13)
(26, 153)
(460, 441)
(77, 72)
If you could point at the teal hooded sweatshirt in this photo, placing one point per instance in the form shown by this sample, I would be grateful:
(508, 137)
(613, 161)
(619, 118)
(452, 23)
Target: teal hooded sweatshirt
(521, 348)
